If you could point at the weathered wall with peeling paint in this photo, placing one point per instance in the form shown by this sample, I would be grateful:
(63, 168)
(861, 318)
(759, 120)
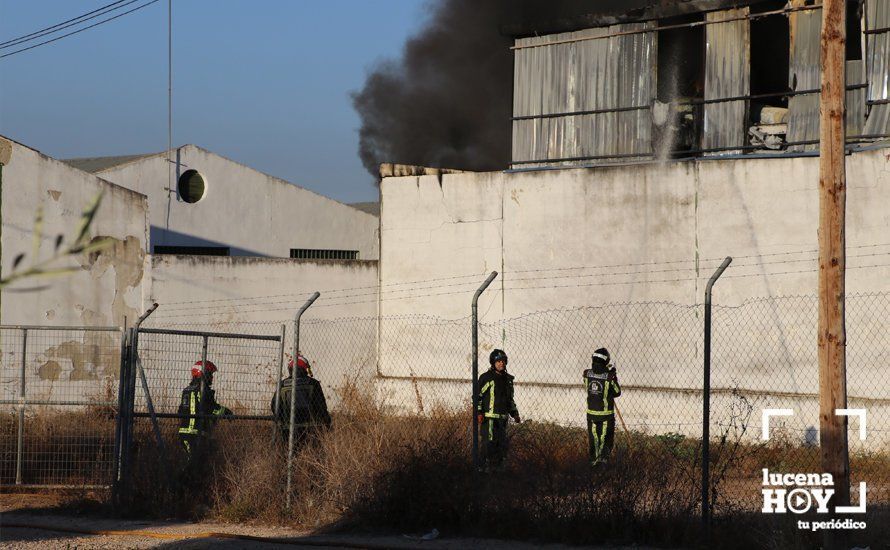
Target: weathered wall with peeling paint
(108, 286)
(630, 234)
(105, 288)
(252, 213)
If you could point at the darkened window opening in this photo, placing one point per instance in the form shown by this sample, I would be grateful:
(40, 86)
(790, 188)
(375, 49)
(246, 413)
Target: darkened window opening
(854, 30)
(317, 254)
(770, 59)
(680, 77)
(193, 250)
(767, 119)
(191, 186)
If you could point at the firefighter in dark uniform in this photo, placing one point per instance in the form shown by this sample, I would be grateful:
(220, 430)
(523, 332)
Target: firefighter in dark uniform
(495, 406)
(199, 407)
(601, 382)
(311, 410)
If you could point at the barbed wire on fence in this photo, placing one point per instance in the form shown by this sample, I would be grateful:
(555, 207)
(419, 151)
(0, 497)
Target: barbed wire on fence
(418, 284)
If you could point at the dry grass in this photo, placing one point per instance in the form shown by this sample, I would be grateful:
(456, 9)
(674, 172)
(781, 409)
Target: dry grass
(67, 448)
(375, 470)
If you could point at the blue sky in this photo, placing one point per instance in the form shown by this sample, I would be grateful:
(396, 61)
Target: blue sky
(265, 83)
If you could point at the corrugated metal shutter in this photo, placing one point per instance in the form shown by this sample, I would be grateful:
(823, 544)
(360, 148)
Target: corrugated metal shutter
(727, 74)
(563, 90)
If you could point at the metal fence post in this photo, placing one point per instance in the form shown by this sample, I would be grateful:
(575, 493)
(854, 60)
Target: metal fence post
(128, 406)
(137, 364)
(475, 322)
(202, 406)
(126, 412)
(280, 370)
(121, 416)
(293, 396)
(706, 403)
(20, 438)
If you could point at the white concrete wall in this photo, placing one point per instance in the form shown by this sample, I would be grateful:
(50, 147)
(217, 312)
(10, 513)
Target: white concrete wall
(634, 235)
(246, 210)
(109, 285)
(106, 287)
(256, 296)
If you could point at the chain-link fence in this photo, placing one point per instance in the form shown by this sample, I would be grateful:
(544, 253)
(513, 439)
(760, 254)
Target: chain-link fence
(413, 372)
(764, 356)
(59, 406)
(192, 392)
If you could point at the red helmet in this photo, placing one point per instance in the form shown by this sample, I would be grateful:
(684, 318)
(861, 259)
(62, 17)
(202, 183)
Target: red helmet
(197, 370)
(301, 363)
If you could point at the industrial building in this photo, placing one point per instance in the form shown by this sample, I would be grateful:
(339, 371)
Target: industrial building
(201, 203)
(647, 147)
(691, 79)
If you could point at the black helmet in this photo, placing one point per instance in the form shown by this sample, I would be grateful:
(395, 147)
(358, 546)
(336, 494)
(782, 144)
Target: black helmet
(600, 356)
(497, 355)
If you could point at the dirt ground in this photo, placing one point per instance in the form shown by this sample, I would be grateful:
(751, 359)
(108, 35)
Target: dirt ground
(31, 521)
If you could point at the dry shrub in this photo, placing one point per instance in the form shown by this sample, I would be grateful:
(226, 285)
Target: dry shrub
(546, 491)
(249, 487)
(60, 447)
(379, 470)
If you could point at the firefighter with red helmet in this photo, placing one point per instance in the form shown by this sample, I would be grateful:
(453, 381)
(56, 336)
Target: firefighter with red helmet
(495, 407)
(310, 407)
(198, 409)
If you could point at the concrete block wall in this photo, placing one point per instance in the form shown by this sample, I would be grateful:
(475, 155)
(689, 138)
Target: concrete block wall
(640, 235)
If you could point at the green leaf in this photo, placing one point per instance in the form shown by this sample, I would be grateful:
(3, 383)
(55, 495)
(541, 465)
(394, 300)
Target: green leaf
(86, 219)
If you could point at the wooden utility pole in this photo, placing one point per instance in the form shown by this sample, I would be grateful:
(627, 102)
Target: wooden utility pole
(832, 254)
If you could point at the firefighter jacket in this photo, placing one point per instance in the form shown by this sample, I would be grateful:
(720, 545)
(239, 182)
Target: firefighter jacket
(191, 404)
(602, 389)
(496, 395)
(310, 405)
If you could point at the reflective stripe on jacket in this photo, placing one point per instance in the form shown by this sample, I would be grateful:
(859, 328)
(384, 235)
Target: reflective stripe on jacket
(194, 424)
(602, 388)
(496, 395)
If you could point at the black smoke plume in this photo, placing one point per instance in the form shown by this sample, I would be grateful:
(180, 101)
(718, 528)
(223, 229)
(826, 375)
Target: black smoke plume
(447, 102)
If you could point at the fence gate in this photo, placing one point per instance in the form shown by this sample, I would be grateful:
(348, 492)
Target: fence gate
(58, 406)
(158, 368)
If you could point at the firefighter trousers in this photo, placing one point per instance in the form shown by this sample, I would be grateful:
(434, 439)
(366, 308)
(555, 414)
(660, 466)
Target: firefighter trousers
(195, 449)
(494, 440)
(194, 445)
(600, 437)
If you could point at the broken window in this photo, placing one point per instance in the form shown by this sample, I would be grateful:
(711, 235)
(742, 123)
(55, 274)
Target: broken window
(770, 59)
(856, 83)
(854, 30)
(680, 86)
